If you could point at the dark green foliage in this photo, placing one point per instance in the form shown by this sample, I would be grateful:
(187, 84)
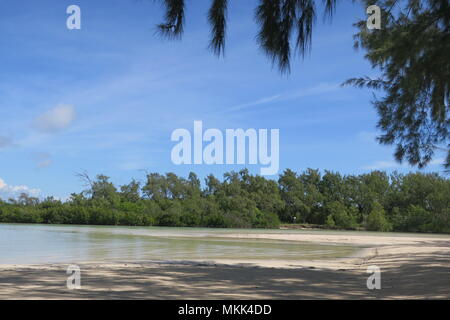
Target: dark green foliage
(375, 201)
(174, 19)
(217, 17)
(279, 21)
(376, 220)
(301, 196)
(338, 215)
(130, 192)
(412, 52)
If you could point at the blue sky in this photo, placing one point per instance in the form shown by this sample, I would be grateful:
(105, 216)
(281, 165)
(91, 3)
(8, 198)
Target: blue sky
(106, 98)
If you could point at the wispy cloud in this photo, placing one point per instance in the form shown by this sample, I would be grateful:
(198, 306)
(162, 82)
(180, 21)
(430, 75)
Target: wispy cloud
(291, 95)
(380, 165)
(55, 119)
(320, 88)
(256, 103)
(42, 159)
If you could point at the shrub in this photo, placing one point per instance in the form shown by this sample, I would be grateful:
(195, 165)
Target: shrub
(376, 220)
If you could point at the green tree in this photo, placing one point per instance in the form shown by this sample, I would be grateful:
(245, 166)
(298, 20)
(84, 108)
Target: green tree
(25, 200)
(103, 189)
(172, 216)
(332, 186)
(330, 222)
(156, 187)
(212, 185)
(292, 192)
(130, 192)
(376, 220)
(411, 51)
(340, 215)
(313, 199)
(414, 202)
(263, 192)
(374, 187)
(193, 186)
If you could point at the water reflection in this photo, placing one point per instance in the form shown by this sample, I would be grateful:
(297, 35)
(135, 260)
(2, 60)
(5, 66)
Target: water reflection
(61, 244)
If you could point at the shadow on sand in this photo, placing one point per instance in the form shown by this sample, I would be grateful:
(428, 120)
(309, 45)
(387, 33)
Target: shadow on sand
(417, 277)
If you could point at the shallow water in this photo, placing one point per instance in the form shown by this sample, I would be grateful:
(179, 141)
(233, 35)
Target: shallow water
(37, 244)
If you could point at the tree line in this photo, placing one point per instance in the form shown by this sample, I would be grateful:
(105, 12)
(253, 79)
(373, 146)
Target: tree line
(375, 201)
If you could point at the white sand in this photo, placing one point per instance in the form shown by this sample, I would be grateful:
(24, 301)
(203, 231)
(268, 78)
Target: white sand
(413, 267)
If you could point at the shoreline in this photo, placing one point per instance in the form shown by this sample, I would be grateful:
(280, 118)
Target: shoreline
(366, 245)
(282, 227)
(412, 268)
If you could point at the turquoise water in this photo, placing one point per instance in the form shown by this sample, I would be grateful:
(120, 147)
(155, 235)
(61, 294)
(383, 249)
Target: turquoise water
(37, 244)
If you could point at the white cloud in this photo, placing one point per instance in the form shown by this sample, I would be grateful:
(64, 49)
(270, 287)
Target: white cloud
(13, 191)
(380, 165)
(320, 88)
(55, 119)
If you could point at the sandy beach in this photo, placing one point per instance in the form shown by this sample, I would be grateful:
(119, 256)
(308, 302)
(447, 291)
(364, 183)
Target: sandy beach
(412, 267)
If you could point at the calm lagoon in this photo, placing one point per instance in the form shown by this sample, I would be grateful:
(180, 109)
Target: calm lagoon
(40, 244)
